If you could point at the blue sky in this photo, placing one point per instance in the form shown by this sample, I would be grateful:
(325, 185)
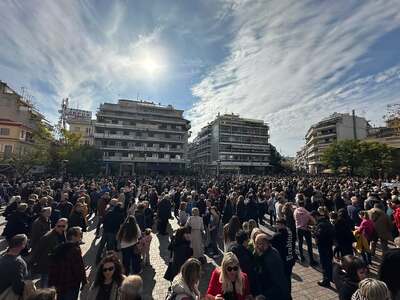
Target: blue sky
(287, 62)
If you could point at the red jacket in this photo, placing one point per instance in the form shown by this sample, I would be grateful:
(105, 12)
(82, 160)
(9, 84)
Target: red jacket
(215, 286)
(67, 269)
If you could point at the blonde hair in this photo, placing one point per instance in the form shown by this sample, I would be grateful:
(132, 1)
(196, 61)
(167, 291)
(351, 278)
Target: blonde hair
(256, 231)
(373, 289)
(230, 259)
(131, 286)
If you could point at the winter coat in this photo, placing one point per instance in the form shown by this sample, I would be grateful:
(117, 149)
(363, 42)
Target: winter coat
(181, 252)
(182, 292)
(344, 285)
(77, 219)
(39, 228)
(67, 269)
(382, 224)
(164, 209)
(94, 290)
(18, 223)
(269, 269)
(113, 219)
(45, 248)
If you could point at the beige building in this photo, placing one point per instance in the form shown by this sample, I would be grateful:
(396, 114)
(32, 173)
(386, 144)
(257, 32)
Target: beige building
(389, 135)
(84, 128)
(337, 127)
(18, 120)
(140, 137)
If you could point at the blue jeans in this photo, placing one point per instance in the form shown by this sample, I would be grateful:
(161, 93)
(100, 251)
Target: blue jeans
(108, 240)
(71, 294)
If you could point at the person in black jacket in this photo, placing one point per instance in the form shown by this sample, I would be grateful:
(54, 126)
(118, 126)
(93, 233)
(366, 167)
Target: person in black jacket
(269, 270)
(324, 233)
(180, 252)
(284, 242)
(348, 275)
(77, 218)
(112, 220)
(344, 236)
(18, 222)
(163, 214)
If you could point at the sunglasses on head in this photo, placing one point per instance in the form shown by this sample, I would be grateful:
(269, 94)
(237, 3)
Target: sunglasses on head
(110, 269)
(230, 269)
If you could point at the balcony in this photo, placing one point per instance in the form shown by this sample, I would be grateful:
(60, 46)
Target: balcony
(136, 138)
(141, 128)
(135, 148)
(144, 159)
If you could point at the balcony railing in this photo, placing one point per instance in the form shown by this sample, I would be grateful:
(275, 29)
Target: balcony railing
(144, 159)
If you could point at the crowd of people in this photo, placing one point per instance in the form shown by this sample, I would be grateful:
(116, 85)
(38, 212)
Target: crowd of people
(255, 225)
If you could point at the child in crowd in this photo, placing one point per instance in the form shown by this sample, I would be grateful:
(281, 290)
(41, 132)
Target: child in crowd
(145, 243)
(367, 230)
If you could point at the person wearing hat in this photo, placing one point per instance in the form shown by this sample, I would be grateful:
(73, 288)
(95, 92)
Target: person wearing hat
(40, 227)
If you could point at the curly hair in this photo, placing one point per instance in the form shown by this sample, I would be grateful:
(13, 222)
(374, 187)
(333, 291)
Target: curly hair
(117, 276)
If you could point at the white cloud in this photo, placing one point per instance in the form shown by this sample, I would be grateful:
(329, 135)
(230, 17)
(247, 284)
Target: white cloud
(288, 64)
(69, 47)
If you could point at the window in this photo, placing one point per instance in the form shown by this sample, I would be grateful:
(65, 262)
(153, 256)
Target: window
(7, 150)
(22, 134)
(4, 131)
(126, 132)
(150, 134)
(100, 130)
(113, 132)
(77, 129)
(114, 121)
(167, 135)
(138, 134)
(160, 155)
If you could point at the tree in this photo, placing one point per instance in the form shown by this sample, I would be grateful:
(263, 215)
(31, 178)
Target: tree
(359, 157)
(85, 160)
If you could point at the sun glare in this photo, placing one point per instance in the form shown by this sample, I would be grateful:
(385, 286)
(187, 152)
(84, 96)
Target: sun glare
(151, 66)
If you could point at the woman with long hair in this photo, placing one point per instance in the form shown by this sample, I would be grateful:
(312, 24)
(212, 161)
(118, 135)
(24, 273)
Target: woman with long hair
(228, 282)
(213, 228)
(128, 236)
(185, 285)
(230, 231)
(108, 279)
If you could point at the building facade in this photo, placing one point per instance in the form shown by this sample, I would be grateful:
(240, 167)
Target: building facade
(231, 144)
(83, 128)
(337, 127)
(18, 120)
(389, 135)
(300, 161)
(138, 137)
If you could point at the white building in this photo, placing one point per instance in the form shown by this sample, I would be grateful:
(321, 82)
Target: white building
(139, 137)
(231, 144)
(337, 127)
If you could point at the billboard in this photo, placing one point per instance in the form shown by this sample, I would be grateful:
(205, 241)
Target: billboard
(74, 114)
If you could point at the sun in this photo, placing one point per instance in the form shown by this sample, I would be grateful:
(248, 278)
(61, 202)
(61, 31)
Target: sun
(151, 65)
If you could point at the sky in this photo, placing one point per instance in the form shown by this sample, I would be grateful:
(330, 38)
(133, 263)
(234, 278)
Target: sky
(288, 62)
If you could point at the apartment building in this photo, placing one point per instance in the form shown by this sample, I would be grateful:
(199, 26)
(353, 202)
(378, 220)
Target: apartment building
(83, 128)
(389, 134)
(231, 144)
(300, 161)
(18, 120)
(337, 127)
(139, 137)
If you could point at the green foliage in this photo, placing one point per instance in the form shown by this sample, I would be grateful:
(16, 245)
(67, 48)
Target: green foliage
(359, 157)
(85, 160)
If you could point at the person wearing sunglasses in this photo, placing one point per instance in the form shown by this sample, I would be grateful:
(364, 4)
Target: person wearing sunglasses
(108, 280)
(41, 257)
(229, 282)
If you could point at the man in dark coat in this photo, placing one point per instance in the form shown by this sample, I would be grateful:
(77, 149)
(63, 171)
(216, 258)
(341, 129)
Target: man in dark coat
(40, 227)
(67, 269)
(269, 270)
(45, 248)
(112, 221)
(163, 214)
